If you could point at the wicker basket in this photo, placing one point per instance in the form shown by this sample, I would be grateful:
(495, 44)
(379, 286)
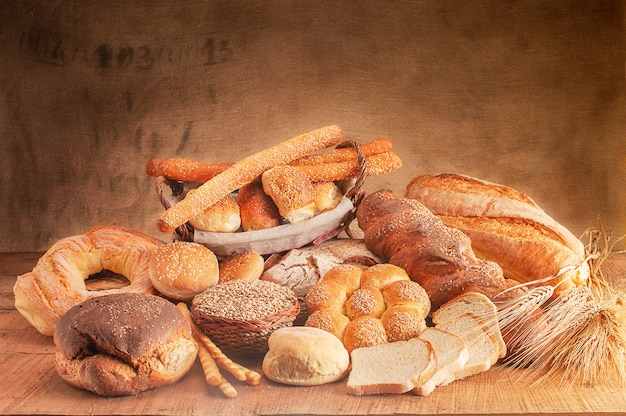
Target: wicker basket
(277, 239)
(216, 310)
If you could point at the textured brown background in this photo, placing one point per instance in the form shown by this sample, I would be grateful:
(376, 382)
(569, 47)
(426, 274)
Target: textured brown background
(525, 93)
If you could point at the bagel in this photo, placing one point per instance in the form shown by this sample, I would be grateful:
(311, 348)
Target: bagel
(57, 282)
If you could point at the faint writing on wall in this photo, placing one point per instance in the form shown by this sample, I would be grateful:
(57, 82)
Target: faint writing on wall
(54, 49)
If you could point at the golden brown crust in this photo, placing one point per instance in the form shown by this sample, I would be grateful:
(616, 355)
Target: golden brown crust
(364, 332)
(326, 295)
(221, 217)
(256, 208)
(246, 265)
(292, 192)
(96, 351)
(365, 301)
(182, 269)
(407, 292)
(245, 171)
(340, 154)
(329, 320)
(403, 322)
(327, 196)
(185, 169)
(57, 282)
(349, 169)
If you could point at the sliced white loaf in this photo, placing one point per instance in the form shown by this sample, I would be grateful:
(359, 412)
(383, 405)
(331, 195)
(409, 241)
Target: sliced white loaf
(482, 346)
(477, 304)
(394, 367)
(451, 354)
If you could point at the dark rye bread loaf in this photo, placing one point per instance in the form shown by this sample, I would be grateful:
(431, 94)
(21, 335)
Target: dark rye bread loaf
(122, 344)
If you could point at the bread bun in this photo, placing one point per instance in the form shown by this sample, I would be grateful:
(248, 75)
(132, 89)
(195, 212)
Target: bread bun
(364, 332)
(407, 291)
(305, 356)
(123, 344)
(346, 275)
(365, 301)
(256, 208)
(403, 322)
(221, 217)
(329, 320)
(246, 265)
(327, 196)
(181, 270)
(326, 295)
(380, 275)
(292, 192)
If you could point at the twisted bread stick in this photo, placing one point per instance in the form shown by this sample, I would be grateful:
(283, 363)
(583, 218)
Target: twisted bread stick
(245, 171)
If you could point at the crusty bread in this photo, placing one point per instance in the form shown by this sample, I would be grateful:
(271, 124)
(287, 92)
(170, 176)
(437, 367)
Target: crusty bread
(221, 217)
(477, 304)
(327, 196)
(117, 345)
(256, 208)
(292, 191)
(505, 226)
(395, 367)
(451, 354)
(305, 356)
(483, 347)
(244, 265)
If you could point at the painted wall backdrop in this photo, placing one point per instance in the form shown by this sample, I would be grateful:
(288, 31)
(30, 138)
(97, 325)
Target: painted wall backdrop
(527, 93)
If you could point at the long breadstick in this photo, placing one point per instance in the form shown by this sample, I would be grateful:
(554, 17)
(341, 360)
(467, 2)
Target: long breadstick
(238, 371)
(374, 147)
(375, 165)
(212, 373)
(194, 171)
(245, 171)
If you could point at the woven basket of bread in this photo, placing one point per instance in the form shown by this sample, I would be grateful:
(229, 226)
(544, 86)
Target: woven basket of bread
(239, 316)
(275, 239)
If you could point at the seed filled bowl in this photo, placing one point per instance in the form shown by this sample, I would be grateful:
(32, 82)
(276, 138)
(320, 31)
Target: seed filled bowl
(239, 316)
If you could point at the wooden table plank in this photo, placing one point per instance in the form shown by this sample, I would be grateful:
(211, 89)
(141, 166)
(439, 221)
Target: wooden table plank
(30, 385)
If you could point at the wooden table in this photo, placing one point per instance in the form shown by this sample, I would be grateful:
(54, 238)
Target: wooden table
(29, 383)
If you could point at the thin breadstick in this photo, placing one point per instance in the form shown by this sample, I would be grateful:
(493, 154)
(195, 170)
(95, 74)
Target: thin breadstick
(238, 371)
(375, 165)
(209, 367)
(185, 170)
(245, 171)
(341, 154)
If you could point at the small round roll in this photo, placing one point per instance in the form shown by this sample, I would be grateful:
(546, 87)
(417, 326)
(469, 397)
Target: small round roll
(245, 265)
(403, 322)
(292, 192)
(346, 275)
(305, 356)
(380, 275)
(364, 332)
(221, 217)
(407, 291)
(329, 320)
(256, 208)
(365, 301)
(326, 295)
(181, 270)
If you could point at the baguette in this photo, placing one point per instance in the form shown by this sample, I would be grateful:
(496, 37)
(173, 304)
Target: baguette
(506, 227)
(244, 172)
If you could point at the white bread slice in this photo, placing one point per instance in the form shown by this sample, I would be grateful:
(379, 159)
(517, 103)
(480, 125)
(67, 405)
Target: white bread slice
(483, 347)
(393, 367)
(478, 304)
(451, 355)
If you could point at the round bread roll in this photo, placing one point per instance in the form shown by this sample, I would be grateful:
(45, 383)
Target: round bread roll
(245, 265)
(181, 270)
(329, 320)
(380, 275)
(407, 291)
(365, 301)
(326, 295)
(364, 332)
(305, 356)
(123, 344)
(256, 208)
(221, 217)
(292, 192)
(347, 275)
(403, 322)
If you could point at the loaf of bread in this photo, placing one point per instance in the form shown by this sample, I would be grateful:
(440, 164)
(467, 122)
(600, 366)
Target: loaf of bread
(292, 191)
(305, 356)
(368, 306)
(118, 345)
(505, 226)
(221, 217)
(440, 258)
(256, 208)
